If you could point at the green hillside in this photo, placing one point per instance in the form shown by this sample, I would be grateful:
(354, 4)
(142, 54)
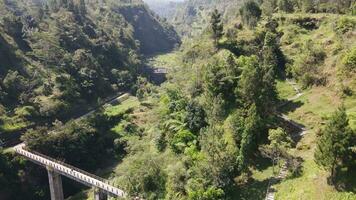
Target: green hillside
(56, 57)
(258, 101)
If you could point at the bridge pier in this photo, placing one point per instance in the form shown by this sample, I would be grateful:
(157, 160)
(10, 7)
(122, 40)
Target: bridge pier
(55, 184)
(99, 194)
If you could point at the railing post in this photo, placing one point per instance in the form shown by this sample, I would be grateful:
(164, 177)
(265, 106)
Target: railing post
(55, 184)
(99, 194)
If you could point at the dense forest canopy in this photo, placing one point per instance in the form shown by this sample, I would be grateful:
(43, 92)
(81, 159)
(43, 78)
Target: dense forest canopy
(257, 91)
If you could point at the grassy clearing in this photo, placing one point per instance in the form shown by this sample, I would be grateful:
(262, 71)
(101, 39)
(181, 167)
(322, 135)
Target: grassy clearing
(168, 60)
(309, 186)
(313, 109)
(123, 108)
(316, 106)
(312, 181)
(256, 186)
(285, 90)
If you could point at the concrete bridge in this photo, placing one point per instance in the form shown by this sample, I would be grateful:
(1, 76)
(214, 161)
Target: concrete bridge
(102, 188)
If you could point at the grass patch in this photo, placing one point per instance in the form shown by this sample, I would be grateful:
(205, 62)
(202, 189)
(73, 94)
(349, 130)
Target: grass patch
(350, 104)
(123, 108)
(311, 184)
(314, 107)
(256, 187)
(285, 90)
(12, 124)
(169, 60)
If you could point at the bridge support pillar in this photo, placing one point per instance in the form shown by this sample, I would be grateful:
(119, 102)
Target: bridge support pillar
(55, 185)
(99, 194)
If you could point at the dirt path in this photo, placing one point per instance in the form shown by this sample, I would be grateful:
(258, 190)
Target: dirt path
(284, 169)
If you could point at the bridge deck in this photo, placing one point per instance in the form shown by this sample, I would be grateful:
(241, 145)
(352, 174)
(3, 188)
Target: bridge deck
(70, 172)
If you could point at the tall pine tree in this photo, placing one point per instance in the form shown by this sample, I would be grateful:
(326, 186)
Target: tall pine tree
(335, 143)
(216, 26)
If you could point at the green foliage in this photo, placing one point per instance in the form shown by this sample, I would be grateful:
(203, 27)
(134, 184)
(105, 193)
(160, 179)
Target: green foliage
(307, 5)
(177, 176)
(216, 26)
(268, 7)
(196, 117)
(250, 13)
(345, 24)
(220, 165)
(211, 193)
(335, 142)
(349, 60)
(79, 143)
(59, 55)
(122, 108)
(279, 144)
(181, 140)
(273, 57)
(143, 176)
(249, 137)
(250, 80)
(286, 6)
(14, 84)
(13, 25)
(305, 66)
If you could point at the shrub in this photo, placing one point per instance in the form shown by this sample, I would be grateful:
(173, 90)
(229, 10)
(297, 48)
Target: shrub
(344, 25)
(349, 59)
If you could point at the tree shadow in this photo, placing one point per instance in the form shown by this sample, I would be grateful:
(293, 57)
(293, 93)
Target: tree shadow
(252, 189)
(294, 129)
(345, 179)
(286, 106)
(260, 163)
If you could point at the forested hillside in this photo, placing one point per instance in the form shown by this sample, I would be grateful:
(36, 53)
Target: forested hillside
(254, 94)
(192, 17)
(58, 59)
(259, 99)
(57, 56)
(164, 8)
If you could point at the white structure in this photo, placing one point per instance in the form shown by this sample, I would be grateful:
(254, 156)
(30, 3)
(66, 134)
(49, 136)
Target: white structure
(55, 169)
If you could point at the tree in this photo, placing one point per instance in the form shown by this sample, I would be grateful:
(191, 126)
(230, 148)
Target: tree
(143, 175)
(273, 65)
(219, 166)
(269, 7)
(250, 13)
(82, 7)
(279, 143)
(272, 54)
(181, 140)
(217, 26)
(307, 5)
(14, 84)
(196, 117)
(285, 6)
(249, 136)
(250, 82)
(334, 143)
(13, 25)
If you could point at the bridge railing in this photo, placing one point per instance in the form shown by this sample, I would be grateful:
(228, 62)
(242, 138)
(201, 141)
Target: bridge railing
(67, 165)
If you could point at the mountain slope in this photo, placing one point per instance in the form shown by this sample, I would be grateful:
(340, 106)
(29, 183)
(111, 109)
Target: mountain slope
(57, 56)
